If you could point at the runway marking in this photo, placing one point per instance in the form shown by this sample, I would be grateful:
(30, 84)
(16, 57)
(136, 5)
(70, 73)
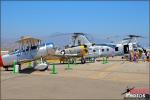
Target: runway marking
(104, 72)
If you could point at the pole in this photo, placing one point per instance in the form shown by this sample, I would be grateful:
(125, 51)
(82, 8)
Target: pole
(75, 62)
(91, 59)
(53, 69)
(14, 66)
(68, 66)
(106, 60)
(103, 60)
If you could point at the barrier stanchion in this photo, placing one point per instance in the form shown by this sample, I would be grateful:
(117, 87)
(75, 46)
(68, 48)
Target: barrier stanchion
(91, 59)
(14, 64)
(68, 66)
(53, 69)
(103, 62)
(15, 67)
(74, 62)
(106, 59)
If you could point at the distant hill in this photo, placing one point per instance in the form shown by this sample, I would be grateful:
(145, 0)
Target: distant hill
(60, 40)
(8, 44)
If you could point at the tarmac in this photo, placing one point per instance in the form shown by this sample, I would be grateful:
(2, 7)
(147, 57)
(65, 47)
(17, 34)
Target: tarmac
(81, 81)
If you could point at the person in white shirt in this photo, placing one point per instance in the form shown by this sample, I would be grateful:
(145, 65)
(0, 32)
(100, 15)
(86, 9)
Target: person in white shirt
(143, 56)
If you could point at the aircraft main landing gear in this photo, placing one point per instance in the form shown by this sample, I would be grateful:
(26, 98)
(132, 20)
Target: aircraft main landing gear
(19, 67)
(83, 61)
(6, 68)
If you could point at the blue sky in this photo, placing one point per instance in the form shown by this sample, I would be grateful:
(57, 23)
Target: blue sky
(97, 18)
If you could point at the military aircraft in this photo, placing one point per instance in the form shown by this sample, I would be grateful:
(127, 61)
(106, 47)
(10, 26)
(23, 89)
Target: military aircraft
(107, 49)
(94, 50)
(128, 44)
(30, 49)
(72, 53)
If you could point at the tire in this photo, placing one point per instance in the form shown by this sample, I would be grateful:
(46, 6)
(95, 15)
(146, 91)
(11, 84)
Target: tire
(72, 61)
(83, 61)
(19, 67)
(6, 68)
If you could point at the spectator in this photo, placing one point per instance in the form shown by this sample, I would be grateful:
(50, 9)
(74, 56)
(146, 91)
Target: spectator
(137, 56)
(148, 54)
(143, 56)
(130, 56)
(134, 57)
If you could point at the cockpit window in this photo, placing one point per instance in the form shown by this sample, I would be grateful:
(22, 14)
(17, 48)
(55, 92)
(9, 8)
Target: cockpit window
(116, 48)
(90, 48)
(102, 50)
(33, 47)
(94, 50)
(134, 45)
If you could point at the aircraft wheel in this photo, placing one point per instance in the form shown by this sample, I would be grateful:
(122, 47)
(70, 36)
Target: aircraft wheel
(83, 61)
(19, 67)
(72, 61)
(6, 68)
(93, 60)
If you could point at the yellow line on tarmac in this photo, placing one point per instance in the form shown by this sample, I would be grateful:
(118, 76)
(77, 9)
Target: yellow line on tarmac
(104, 72)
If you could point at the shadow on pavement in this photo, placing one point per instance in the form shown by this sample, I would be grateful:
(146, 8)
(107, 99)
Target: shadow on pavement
(27, 70)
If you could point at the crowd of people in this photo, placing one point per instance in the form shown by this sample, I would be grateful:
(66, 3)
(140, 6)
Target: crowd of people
(134, 56)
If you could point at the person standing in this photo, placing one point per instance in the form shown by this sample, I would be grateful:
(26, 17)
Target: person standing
(134, 56)
(148, 54)
(143, 56)
(130, 56)
(137, 56)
